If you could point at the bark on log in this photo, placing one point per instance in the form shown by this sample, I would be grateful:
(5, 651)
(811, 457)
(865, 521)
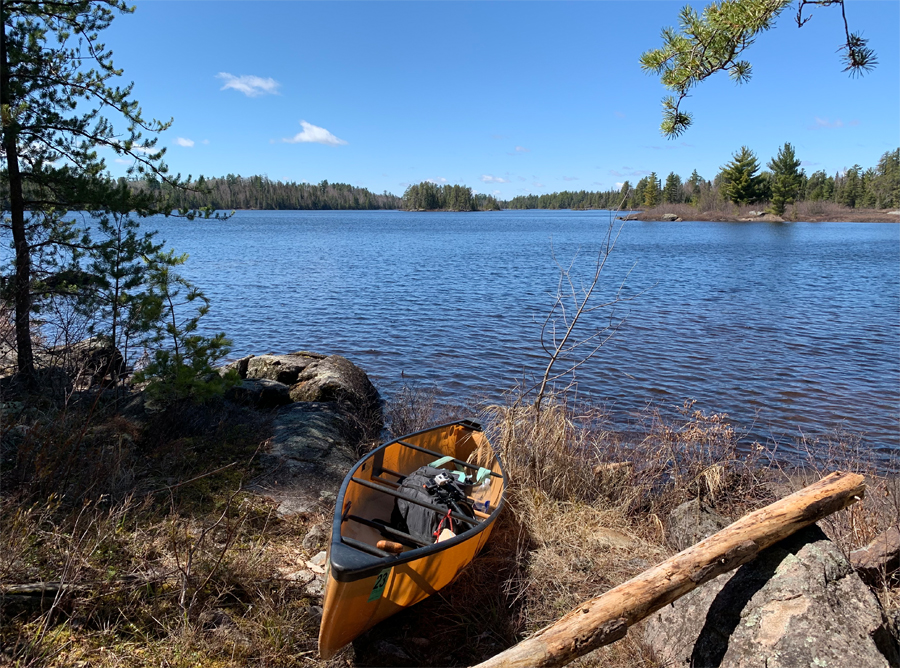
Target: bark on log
(40, 589)
(606, 619)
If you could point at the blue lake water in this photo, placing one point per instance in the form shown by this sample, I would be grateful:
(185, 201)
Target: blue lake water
(789, 328)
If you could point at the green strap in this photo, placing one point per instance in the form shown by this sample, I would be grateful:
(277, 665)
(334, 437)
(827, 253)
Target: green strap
(437, 463)
(481, 475)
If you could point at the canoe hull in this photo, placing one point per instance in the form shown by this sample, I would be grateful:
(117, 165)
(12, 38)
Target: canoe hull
(359, 596)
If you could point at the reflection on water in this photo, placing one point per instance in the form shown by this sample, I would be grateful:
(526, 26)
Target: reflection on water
(788, 328)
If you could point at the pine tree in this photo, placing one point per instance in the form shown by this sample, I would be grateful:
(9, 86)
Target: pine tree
(785, 179)
(693, 187)
(741, 182)
(714, 40)
(886, 183)
(851, 190)
(58, 93)
(652, 190)
(672, 193)
(55, 81)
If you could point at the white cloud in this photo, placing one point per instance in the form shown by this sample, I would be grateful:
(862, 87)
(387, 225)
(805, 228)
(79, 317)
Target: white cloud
(187, 143)
(570, 178)
(146, 150)
(629, 172)
(437, 181)
(538, 184)
(122, 162)
(313, 134)
(249, 85)
(825, 123)
(487, 178)
(496, 192)
(619, 186)
(522, 149)
(205, 141)
(836, 123)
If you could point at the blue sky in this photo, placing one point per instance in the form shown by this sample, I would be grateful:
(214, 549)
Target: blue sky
(505, 97)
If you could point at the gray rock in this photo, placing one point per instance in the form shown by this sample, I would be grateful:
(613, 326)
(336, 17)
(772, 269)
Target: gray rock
(310, 452)
(669, 217)
(691, 522)
(317, 536)
(260, 393)
(238, 365)
(282, 368)
(302, 577)
(295, 505)
(797, 604)
(336, 379)
(316, 588)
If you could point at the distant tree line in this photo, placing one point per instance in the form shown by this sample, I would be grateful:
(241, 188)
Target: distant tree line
(741, 181)
(428, 196)
(581, 199)
(259, 192)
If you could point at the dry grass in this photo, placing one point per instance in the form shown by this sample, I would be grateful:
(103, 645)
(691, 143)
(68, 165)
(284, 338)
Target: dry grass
(589, 501)
(154, 555)
(718, 210)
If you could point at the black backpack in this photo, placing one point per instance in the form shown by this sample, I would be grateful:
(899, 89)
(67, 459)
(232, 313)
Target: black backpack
(423, 523)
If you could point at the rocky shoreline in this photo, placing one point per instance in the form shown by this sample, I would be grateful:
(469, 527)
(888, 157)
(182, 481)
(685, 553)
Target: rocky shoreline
(666, 214)
(308, 417)
(799, 603)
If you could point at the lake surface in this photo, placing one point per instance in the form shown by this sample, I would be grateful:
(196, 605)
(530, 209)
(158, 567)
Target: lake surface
(789, 328)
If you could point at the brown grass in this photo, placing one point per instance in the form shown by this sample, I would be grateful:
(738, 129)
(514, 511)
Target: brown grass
(811, 212)
(160, 558)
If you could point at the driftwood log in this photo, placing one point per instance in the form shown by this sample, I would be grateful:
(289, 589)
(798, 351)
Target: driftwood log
(606, 619)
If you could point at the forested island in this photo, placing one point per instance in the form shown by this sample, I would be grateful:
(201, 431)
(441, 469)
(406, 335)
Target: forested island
(741, 182)
(428, 196)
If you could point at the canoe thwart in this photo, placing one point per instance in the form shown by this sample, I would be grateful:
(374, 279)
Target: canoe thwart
(460, 462)
(441, 511)
(387, 529)
(364, 547)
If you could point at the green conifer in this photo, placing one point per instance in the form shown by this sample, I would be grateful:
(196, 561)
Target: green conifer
(740, 178)
(785, 179)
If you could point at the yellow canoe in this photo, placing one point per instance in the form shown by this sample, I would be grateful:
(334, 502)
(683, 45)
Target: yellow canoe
(364, 584)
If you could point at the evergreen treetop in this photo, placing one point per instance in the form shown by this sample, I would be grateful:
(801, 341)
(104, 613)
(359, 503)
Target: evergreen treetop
(786, 178)
(741, 181)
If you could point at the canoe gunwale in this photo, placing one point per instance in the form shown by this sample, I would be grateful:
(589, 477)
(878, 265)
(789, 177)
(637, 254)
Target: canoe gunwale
(348, 564)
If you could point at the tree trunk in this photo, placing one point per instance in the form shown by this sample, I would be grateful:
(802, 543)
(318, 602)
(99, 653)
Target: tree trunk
(22, 280)
(606, 619)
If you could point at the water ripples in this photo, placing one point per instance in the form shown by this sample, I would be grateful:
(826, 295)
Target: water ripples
(789, 329)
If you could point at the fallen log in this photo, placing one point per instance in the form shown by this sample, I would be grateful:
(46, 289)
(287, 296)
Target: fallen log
(52, 588)
(605, 619)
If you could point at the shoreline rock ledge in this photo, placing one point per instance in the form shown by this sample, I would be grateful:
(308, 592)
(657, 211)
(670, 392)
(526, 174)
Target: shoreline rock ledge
(325, 407)
(799, 603)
